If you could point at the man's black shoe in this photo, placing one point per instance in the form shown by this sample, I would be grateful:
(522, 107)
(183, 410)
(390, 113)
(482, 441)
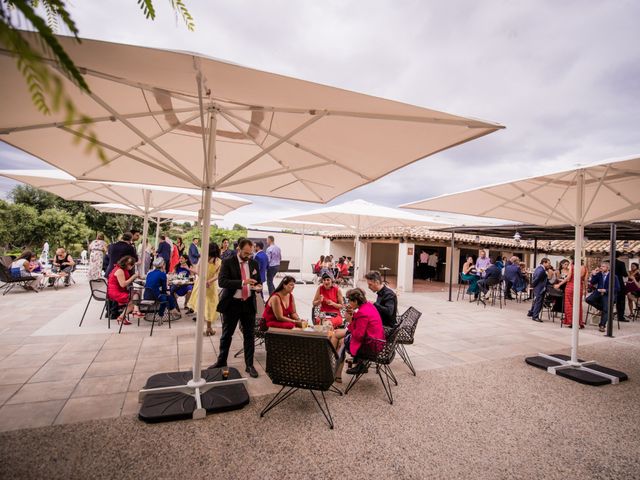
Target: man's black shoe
(253, 373)
(623, 320)
(535, 319)
(218, 365)
(529, 314)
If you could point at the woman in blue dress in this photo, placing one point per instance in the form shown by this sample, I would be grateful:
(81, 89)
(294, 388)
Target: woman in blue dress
(469, 275)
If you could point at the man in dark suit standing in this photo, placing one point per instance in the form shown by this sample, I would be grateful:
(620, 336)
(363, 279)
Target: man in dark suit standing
(164, 250)
(239, 278)
(539, 282)
(621, 274)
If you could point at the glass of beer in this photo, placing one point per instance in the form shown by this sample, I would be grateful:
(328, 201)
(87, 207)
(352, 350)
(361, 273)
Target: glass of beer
(305, 324)
(225, 373)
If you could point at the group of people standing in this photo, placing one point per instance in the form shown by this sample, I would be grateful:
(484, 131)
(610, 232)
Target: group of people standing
(427, 265)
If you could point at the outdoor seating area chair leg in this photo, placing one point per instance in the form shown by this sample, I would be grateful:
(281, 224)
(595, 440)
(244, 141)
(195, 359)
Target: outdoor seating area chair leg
(355, 379)
(325, 411)
(405, 358)
(384, 372)
(335, 389)
(278, 398)
(85, 312)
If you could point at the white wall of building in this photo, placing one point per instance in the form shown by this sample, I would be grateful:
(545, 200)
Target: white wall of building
(291, 246)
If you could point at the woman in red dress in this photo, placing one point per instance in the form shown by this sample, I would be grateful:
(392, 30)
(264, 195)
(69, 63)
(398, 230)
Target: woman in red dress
(118, 287)
(568, 295)
(280, 310)
(329, 298)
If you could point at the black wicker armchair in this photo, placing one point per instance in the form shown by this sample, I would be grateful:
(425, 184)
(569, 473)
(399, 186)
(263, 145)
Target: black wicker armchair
(304, 361)
(379, 353)
(409, 321)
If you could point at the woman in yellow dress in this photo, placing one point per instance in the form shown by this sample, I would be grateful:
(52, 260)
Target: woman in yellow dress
(213, 268)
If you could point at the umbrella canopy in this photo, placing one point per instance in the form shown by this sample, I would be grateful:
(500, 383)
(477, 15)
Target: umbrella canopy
(610, 193)
(170, 214)
(277, 136)
(134, 196)
(184, 120)
(602, 191)
(358, 216)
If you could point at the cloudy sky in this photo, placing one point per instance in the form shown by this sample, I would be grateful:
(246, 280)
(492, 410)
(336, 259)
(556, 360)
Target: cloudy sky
(563, 77)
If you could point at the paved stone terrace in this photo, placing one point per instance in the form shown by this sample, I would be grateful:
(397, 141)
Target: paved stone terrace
(54, 372)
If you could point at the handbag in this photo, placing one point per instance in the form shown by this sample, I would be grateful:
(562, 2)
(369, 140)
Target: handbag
(554, 292)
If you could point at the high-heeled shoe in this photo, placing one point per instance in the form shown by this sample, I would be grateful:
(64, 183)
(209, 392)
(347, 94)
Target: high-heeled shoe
(123, 321)
(209, 332)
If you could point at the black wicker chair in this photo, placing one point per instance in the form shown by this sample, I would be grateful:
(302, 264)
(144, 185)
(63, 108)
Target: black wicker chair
(379, 353)
(304, 361)
(409, 321)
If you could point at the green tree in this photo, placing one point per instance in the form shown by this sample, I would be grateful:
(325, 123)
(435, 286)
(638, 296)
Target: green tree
(28, 195)
(18, 226)
(46, 87)
(61, 229)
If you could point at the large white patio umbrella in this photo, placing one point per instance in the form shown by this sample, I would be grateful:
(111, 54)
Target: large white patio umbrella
(142, 200)
(303, 228)
(185, 120)
(597, 192)
(358, 216)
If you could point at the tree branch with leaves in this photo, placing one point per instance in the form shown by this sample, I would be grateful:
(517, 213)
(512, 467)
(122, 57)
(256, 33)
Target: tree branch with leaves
(45, 85)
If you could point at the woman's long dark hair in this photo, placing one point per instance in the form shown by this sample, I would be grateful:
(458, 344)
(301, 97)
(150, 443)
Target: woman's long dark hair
(26, 255)
(285, 281)
(214, 250)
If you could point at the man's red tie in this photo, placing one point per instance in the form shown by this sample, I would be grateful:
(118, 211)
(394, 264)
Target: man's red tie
(245, 286)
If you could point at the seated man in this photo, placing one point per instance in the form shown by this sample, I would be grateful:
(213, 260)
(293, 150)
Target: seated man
(492, 276)
(599, 298)
(387, 302)
(513, 278)
(156, 289)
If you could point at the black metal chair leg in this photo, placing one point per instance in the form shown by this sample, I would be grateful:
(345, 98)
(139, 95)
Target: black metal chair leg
(85, 311)
(402, 351)
(386, 385)
(325, 411)
(277, 399)
(104, 307)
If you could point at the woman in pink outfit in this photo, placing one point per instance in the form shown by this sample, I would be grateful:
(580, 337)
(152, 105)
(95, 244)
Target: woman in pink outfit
(364, 323)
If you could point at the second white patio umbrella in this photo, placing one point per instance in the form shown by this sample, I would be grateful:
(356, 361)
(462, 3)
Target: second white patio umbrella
(598, 192)
(142, 200)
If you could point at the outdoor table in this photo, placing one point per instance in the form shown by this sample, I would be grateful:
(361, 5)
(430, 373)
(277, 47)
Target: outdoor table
(384, 271)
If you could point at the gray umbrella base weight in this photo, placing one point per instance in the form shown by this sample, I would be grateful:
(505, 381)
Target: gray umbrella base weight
(221, 396)
(588, 373)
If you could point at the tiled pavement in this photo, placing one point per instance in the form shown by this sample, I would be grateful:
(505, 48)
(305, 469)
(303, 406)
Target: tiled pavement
(53, 372)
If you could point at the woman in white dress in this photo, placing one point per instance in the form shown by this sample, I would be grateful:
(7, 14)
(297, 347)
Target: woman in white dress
(97, 249)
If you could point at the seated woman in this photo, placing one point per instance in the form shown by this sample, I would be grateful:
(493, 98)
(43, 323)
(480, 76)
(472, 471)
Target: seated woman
(155, 288)
(24, 267)
(469, 275)
(329, 298)
(184, 269)
(343, 268)
(118, 288)
(280, 309)
(364, 323)
(318, 266)
(62, 264)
